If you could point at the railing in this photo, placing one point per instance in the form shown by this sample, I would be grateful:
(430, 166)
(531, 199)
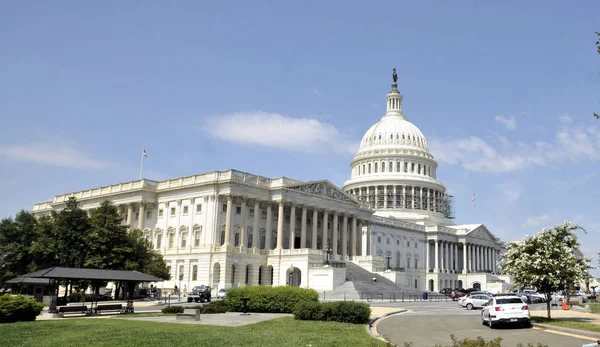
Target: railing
(331, 264)
(403, 297)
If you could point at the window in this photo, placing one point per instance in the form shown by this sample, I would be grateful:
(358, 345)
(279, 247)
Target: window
(238, 210)
(185, 209)
(375, 167)
(369, 167)
(416, 263)
(251, 212)
(416, 244)
(391, 167)
(171, 238)
(397, 242)
(387, 241)
(183, 239)
(172, 213)
(160, 213)
(407, 243)
(224, 207)
(181, 272)
(363, 171)
(194, 272)
(412, 167)
(276, 216)
(158, 241)
(263, 214)
(408, 262)
(198, 208)
(383, 167)
(398, 166)
(379, 239)
(148, 214)
(287, 218)
(197, 235)
(137, 215)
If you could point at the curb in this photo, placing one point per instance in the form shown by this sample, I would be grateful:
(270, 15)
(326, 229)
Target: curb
(567, 330)
(372, 325)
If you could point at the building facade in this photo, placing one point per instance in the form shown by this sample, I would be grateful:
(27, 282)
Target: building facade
(392, 217)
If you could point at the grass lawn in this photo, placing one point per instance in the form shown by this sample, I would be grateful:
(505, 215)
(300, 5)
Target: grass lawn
(118, 332)
(595, 308)
(573, 323)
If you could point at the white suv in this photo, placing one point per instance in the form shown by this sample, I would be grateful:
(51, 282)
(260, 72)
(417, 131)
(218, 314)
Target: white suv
(505, 309)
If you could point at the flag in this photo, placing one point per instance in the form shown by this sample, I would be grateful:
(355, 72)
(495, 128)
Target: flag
(473, 200)
(144, 154)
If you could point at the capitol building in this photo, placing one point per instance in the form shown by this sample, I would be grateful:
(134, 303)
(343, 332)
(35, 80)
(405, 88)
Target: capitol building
(391, 224)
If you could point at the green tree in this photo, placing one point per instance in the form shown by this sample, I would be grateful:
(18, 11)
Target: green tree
(547, 261)
(16, 236)
(72, 234)
(44, 249)
(144, 258)
(108, 245)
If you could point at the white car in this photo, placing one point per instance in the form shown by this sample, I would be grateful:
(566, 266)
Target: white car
(532, 292)
(474, 301)
(221, 293)
(505, 309)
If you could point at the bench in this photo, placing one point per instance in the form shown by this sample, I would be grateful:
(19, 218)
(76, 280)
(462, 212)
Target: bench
(72, 309)
(189, 313)
(109, 307)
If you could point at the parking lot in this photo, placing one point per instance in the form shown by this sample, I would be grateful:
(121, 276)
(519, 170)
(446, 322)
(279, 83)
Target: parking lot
(430, 323)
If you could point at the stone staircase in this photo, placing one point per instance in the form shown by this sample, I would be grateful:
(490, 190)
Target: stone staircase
(370, 285)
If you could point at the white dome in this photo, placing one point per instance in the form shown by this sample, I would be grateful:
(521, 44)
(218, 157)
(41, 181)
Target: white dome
(393, 131)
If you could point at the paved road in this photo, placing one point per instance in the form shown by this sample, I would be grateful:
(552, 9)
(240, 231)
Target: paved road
(427, 324)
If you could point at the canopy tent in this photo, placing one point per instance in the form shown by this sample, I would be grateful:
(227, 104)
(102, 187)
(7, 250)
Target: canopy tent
(57, 274)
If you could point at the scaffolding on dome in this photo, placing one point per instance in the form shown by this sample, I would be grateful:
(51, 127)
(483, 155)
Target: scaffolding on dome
(447, 206)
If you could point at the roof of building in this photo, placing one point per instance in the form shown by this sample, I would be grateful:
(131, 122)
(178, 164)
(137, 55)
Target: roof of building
(28, 280)
(92, 274)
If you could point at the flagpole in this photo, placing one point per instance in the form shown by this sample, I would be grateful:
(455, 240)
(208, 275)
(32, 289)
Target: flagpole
(142, 165)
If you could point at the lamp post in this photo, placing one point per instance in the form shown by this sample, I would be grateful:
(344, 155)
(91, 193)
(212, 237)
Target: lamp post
(328, 251)
(388, 256)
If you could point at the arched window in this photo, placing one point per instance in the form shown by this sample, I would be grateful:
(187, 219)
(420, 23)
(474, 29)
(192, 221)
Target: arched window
(369, 167)
(363, 169)
(158, 241)
(391, 167)
(375, 167)
(398, 166)
(383, 166)
(197, 235)
(419, 169)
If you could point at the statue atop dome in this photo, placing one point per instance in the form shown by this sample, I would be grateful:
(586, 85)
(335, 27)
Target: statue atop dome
(394, 75)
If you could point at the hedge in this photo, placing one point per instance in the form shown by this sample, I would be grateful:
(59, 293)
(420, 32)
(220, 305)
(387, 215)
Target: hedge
(220, 306)
(337, 311)
(172, 309)
(269, 299)
(17, 308)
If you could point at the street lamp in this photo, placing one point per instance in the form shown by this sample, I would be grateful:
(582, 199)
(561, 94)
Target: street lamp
(388, 256)
(328, 251)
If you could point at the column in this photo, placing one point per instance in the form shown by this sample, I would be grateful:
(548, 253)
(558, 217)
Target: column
(464, 269)
(334, 235)
(427, 255)
(255, 230)
(303, 228)
(243, 241)
(325, 234)
(394, 204)
(228, 222)
(353, 238)
(292, 234)
(451, 261)
(142, 216)
(455, 263)
(437, 256)
(268, 227)
(315, 230)
(404, 198)
(344, 236)
(280, 220)
(385, 197)
(130, 214)
(365, 239)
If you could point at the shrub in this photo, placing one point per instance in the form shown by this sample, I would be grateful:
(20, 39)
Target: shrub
(347, 312)
(308, 310)
(220, 306)
(269, 299)
(18, 308)
(172, 309)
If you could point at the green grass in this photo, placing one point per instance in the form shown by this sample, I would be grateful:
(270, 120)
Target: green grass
(595, 308)
(117, 332)
(573, 323)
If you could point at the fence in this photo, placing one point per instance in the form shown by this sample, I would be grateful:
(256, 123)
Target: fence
(393, 297)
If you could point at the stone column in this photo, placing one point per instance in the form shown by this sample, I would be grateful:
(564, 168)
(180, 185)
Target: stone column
(303, 228)
(427, 255)
(292, 226)
(344, 236)
(353, 238)
(385, 197)
(455, 266)
(268, 227)
(255, 227)
(451, 263)
(464, 267)
(315, 230)
(325, 235)
(228, 222)
(142, 216)
(130, 214)
(243, 241)
(437, 256)
(365, 240)
(334, 235)
(395, 199)
(280, 219)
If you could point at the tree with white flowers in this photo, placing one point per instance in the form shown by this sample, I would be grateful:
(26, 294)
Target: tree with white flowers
(547, 261)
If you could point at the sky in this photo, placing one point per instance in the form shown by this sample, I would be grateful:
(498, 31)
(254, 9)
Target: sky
(503, 91)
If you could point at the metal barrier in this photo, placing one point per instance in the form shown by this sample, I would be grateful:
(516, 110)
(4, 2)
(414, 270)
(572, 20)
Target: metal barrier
(394, 297)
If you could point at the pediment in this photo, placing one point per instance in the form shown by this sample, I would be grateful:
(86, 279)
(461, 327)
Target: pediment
(482, 232)
(323, 188)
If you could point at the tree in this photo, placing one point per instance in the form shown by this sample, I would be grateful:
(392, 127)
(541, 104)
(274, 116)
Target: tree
(16, 237)
(72, 234)
(547, 261)
(108, 245)
(146, 259)
(44, 251)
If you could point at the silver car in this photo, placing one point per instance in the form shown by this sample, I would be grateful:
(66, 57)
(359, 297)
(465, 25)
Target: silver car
(475, 301)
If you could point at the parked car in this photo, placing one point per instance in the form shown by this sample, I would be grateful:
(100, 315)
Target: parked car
(474, 301)
(505, 309)
(531, 292)
(199, 294)
(221, 293)
(446, 291)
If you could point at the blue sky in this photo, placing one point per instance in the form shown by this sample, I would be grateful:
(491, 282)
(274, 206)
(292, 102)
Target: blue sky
(503, 91)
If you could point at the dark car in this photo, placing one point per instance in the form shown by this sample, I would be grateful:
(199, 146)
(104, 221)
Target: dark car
(199, 294)
(446, 291)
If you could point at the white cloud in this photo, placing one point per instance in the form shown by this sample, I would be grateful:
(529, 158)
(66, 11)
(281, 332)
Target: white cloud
(317, 92)
(278, 131)
(572, 142)
(65, 154)
(566, 119)
(509, 123)
(511, 190)
(536, 221)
